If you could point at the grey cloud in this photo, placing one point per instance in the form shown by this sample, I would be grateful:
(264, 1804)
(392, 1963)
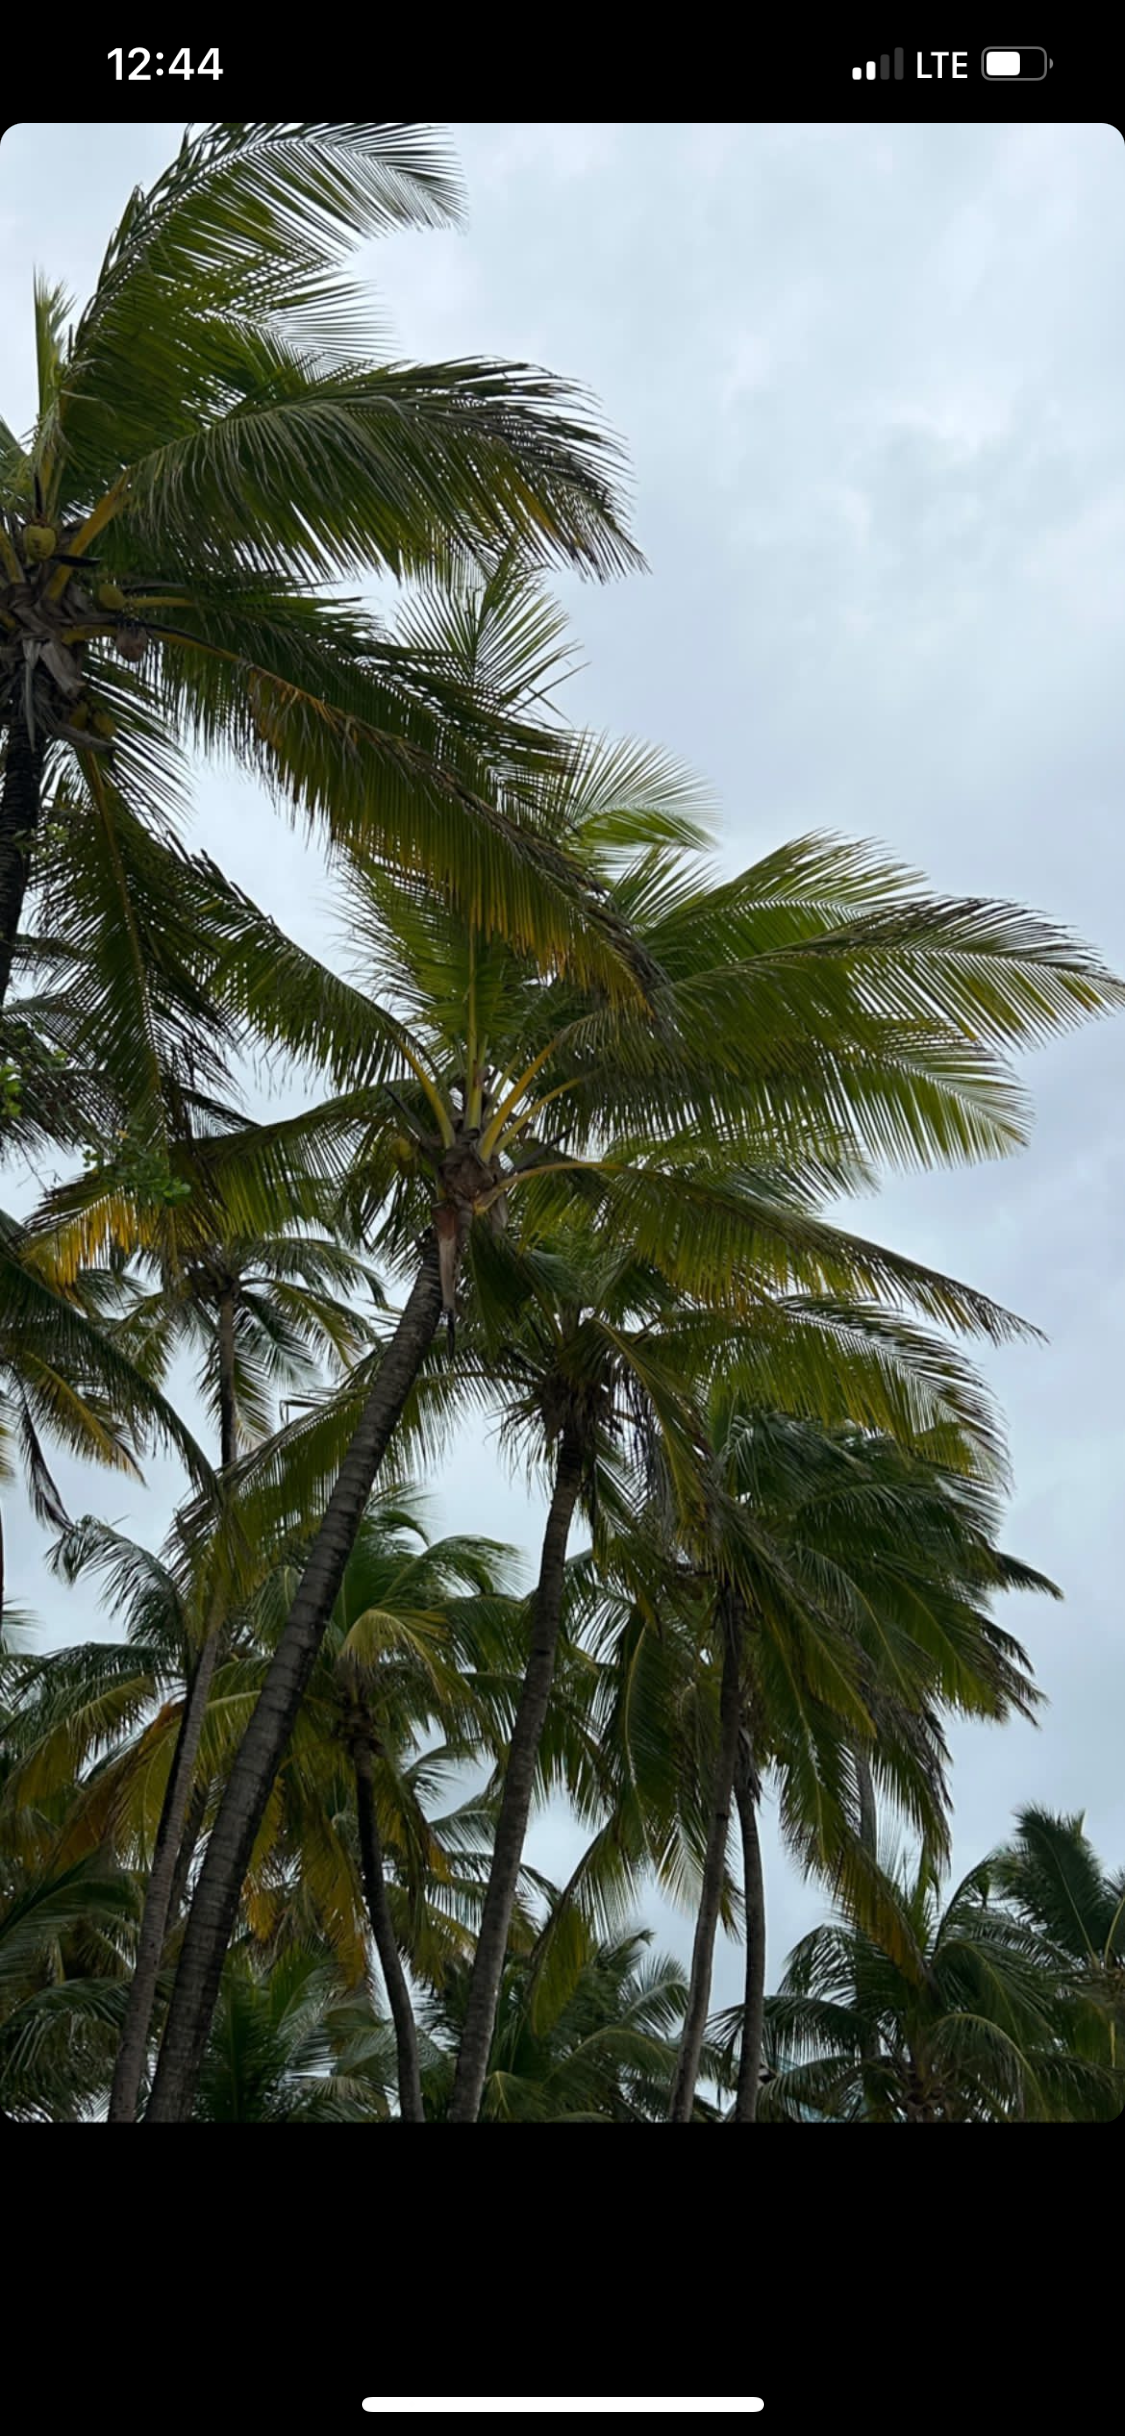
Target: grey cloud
(871, 384)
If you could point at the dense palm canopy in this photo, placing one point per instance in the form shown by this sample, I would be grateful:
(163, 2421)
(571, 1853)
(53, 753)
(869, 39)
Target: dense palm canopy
(568, 1086)
(929, 2013)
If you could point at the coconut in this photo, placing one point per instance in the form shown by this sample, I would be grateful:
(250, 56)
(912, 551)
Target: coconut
(102, 724)
(109, 596)
(131, 643)
(40, 541)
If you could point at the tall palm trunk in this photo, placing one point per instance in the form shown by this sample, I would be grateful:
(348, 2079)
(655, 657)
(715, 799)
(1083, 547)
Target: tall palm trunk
(128, 2071)
(228, 1418)
(714, 1863)
(215, 1904)
(411, 2108)
(132, 2054)
(747, 1795)
(519, 1778)
(193, 1829)
(869, 1838)
(20, 805)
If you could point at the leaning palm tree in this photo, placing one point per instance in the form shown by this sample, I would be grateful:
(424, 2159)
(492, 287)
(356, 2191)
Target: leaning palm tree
(423, 1637)
(215, 438)
(919, 2012)
(813, 1014)
(217, 1219)
(261, 1310)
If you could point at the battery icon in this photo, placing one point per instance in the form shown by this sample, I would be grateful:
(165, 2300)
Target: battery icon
(1012, 63)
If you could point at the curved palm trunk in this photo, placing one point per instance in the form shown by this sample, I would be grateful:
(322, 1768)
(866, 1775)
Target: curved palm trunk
(753, 2003)
(710, 1897)
(170, 1862)
(411, 2108)
(515, 1801)
(215, 1904)
(132, 2054)
(20, 806)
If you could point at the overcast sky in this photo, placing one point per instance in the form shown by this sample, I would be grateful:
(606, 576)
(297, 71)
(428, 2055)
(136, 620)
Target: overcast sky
(871, 382)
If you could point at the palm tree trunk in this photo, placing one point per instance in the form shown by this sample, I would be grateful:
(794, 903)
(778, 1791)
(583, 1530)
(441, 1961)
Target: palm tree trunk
(193, 1829)
(869, 1838)
(714, 1864)
(20, 805)
(128, 2071)
(410, 2104)
(159, 1905)
(746, 1794)
(215, 1904)
(519, 1778)
(228, 1426)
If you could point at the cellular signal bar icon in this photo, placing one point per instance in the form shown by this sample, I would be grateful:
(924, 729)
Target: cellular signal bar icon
(884, 68)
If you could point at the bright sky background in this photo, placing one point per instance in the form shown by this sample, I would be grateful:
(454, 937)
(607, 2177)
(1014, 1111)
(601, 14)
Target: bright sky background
(871, 384)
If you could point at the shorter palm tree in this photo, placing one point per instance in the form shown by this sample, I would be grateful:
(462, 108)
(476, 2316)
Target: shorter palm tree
(292, 2043)
(63, 1935)
(407, 1655)
(586, 2030)
(920, 2012)
(61, 1375)
(1053, 1876)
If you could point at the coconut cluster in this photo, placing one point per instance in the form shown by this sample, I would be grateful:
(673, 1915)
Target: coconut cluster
(52, 606)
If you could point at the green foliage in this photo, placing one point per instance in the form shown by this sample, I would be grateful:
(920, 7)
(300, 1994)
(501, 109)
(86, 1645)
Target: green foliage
(911, 2012)
(643, 1088)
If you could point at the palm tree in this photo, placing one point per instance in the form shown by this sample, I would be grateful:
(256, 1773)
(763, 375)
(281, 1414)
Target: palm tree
(213, 441)
(292, 2043)
(923, 2013)
(402, 1656)
(602, 1360)
(61, 1988)
(61, 1374)
(901, 1550)
(189, 1194)
(836, 1605)
(585, 2031)
(423, 1635)
(797, 988)
(585, 1369)
(1052, 1875)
